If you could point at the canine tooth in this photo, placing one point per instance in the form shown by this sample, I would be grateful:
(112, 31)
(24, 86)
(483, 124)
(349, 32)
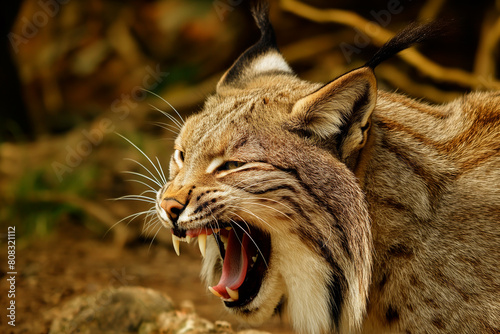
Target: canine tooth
(233, 293)
(202, 243)
(212, 290)
(175, 242)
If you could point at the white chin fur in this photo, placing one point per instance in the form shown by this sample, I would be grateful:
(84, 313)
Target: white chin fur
(264, 304)
(301, 280)
(305, 278)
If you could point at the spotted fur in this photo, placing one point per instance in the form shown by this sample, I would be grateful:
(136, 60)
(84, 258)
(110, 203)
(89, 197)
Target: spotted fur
(383, 212)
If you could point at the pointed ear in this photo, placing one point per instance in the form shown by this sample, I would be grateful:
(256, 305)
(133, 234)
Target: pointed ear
(262, 57)
(340, 110)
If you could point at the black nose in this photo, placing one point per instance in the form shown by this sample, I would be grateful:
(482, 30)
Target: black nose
(173, 208)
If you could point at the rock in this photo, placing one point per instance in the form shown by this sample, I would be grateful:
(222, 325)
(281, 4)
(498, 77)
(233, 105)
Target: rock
(123, 309)
(134, 310)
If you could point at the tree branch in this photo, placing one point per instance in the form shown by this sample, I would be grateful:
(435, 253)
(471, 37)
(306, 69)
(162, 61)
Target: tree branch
(380, 35)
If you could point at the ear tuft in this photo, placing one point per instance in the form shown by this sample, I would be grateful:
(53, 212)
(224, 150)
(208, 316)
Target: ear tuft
(260, 13)
(412, 34)
(262, 57)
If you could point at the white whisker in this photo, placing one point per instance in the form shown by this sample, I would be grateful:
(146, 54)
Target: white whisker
(162, 175)
(167, 127)
(143, 183)
(148, 191)
(152, 240)
(144, 154)
(150, 173)
(277, 202)
(130, 218)
(161, 98)
(170, 117)
(144, 176)
(251, 213)
(260, 182)
(269, 207)
(170, 139)
(149, 222)
(217, 224)
(249, 236)
(139, 198)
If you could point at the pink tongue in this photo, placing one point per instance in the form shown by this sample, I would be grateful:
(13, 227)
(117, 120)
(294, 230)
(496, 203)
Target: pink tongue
(235, 264)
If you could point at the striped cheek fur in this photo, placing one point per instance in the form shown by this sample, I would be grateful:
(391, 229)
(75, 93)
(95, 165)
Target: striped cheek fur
(351, 209)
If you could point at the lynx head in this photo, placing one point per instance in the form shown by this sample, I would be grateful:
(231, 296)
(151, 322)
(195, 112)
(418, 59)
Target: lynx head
(262, 177)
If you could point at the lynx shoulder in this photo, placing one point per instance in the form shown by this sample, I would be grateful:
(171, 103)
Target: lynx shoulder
(349, 208)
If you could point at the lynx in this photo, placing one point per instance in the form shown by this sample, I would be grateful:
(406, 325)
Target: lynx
(352, 209)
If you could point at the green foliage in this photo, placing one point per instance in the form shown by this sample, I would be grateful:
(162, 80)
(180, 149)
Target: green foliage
(35, 203)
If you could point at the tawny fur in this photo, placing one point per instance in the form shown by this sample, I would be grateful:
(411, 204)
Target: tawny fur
(383, 212)
(432, 181)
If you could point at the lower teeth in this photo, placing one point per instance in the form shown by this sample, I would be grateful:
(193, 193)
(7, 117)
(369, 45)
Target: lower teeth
(233, 294)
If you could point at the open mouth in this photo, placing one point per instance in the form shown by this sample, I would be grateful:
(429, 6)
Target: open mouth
(245, 253)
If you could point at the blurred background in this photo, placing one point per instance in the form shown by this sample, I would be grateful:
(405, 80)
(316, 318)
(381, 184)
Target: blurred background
(74, 73)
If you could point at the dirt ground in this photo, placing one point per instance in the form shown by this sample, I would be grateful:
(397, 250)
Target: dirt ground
(88, 64)
(73, 261)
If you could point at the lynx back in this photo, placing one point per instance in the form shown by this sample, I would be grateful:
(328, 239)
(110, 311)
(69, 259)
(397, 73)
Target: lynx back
(350, 208)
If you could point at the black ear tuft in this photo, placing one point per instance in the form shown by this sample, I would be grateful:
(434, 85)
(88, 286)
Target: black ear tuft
(412, 34)
(262, 57)
(260, 12)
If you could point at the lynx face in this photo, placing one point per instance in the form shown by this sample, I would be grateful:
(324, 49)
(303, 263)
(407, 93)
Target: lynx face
(260, 177)
(264, 179)
(256, 194)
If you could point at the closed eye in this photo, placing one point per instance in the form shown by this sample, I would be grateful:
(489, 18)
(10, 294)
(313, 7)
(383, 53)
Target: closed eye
(219, 165)
(179, 158)
(230, 165)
